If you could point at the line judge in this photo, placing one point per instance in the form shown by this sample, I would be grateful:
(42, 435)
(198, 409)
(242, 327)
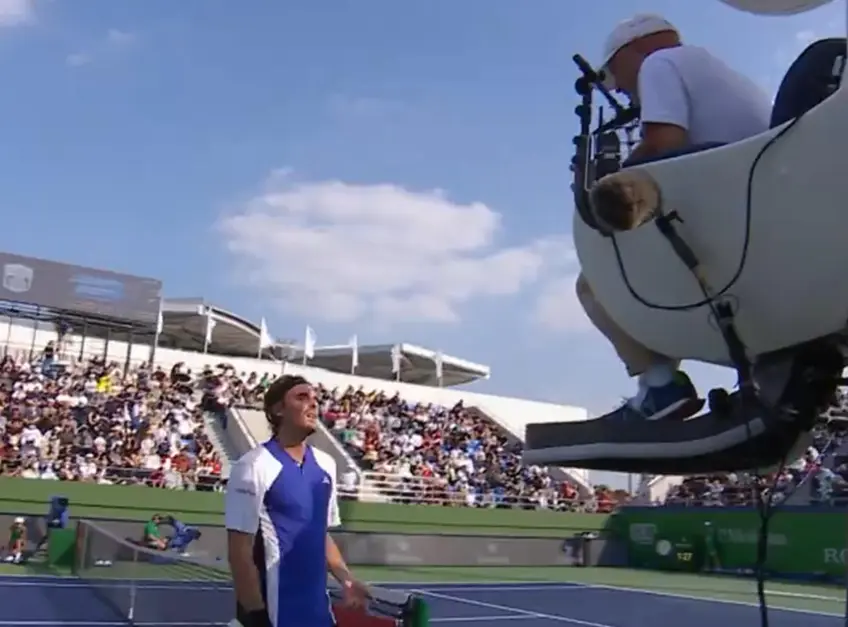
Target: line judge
(280, 502)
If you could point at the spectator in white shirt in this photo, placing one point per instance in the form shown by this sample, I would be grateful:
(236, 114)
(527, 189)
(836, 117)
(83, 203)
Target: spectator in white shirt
(87, 468)
(30, 470)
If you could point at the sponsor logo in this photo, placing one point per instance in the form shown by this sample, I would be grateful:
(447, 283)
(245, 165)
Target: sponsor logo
(643, 533)
(750, 536)
(403, 554)
(663, 548)
(97, 288)
(835, 556)
(491, 558)
(17, 278)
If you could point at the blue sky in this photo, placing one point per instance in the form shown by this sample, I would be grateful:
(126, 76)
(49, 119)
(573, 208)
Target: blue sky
(398, 170)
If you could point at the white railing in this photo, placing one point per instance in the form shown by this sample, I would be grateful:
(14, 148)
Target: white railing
(194, 478)
(379, 487)
(239, 431)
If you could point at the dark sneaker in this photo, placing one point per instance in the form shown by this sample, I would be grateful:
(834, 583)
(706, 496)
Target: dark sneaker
(676, 401)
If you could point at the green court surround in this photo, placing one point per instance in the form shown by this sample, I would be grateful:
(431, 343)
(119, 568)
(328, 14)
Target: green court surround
(31, 496)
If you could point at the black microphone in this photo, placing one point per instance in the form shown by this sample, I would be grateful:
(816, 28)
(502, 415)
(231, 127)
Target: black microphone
(588, 71)
(597, 79)
(622, 117)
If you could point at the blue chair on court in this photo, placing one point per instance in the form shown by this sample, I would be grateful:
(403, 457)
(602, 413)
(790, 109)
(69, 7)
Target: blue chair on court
(183, 536)
(58, 515)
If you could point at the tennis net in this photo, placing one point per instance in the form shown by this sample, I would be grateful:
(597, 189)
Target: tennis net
(145, 586)
(142, 586)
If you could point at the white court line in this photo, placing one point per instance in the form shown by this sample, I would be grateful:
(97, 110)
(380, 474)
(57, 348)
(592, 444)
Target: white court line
(5, 576)
(567, 586)
(471, 584)
(708, 599)
(88, 623)
(803, 595)
(497, 588)
(464, 587)
(475, 619)
(140, 584)
(422, 587)
(514, 610)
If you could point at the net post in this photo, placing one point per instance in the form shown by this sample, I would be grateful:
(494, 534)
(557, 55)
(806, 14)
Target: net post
(80, 548)
(133, 586)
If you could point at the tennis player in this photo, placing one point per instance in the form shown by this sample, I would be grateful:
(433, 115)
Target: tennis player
(280, 503)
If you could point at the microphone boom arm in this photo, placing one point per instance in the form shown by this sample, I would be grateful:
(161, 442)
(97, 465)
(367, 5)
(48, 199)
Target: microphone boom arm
(598, 152)
(596, 79)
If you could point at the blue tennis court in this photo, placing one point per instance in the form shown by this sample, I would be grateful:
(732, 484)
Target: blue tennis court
(59, 602)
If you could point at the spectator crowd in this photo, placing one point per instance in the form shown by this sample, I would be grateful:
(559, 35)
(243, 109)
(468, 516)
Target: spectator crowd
(822, 470)
(98, 422)
(428, 453)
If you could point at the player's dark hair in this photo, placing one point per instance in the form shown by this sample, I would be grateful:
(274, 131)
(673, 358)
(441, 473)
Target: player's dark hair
(274, 395)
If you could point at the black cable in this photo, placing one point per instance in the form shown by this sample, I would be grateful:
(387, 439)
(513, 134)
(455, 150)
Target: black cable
(765, 502)
(710, 299)
(764, 505)
(765, 509)
(764, 499)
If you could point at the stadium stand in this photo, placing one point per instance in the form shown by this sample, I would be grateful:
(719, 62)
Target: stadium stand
(392, 440)
(820, 476)
(70, 415)
(210, 347)
(450, 451)
(91, 420)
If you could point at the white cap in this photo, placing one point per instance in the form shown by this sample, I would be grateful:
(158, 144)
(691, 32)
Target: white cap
(628, 31)
(20, 520)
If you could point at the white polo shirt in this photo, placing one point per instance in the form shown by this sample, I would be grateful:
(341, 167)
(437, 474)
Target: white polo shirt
(690, 88)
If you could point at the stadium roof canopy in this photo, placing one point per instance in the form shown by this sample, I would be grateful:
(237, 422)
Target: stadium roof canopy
(185, 322)
(417, 364)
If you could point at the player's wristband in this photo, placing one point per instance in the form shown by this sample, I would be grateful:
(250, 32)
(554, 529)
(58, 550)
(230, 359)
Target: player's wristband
(256, 618)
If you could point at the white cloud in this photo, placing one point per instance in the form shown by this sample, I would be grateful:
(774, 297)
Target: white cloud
(359, 107)
(824, 28)
(113, 41)
(16, 12)
(831, 23)
(78, 59)
(115, 37)
(558, 309)
(343, 252)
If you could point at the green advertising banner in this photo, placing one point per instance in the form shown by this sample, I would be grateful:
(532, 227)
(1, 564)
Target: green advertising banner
(802, 540)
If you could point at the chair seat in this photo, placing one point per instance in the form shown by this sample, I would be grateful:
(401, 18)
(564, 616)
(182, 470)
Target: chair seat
(680, 152)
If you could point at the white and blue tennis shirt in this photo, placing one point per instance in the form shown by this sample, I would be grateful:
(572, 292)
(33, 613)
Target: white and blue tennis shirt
(289, 507)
